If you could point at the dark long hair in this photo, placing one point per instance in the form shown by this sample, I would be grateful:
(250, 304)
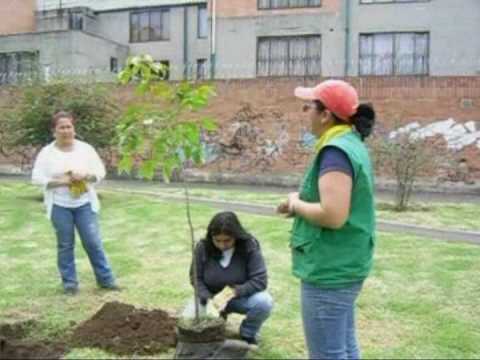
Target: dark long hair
(363, 120)
(227, 223)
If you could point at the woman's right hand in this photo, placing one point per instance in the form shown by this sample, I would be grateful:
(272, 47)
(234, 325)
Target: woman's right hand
(283, 208)
(59, 181)
(63, 179)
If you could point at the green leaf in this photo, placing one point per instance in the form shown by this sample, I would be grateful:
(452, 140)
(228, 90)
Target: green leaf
(192, 133)
(209, 124)
(147, 169)
(169, 165)
(197, 156)
(125, 164)
(124, 77)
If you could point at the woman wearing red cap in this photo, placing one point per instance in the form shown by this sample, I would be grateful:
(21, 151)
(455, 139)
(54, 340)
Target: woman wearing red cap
(333, 235)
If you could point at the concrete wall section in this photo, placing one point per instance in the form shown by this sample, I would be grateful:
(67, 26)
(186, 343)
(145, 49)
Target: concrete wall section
(237, 40)
(85, 58)
(116, 26)
(108, 5)
(66, 52)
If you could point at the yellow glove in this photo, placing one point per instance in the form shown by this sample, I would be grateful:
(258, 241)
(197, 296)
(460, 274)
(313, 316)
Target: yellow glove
(222, 298)
(77, 187)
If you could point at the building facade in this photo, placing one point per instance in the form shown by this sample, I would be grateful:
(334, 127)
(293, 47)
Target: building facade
(348, 37)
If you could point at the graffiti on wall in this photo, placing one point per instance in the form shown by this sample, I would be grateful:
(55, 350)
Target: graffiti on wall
(244, 143)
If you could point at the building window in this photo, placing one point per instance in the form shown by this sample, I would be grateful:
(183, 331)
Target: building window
(18, 66)
(287, 4)
(152, 25)
(75, 21)
(114, 65)
(202, 20)
(390, 1)
(289, 56)
(394, 54)
(202, 69)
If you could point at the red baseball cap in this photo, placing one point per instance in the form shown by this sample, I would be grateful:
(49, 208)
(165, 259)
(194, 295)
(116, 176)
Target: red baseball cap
(338, 96)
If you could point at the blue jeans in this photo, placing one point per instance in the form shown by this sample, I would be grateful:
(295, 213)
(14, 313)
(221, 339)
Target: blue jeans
(257, 307)
(65, 220)
(329, 321)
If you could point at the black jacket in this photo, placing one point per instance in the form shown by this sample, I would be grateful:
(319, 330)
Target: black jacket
(246, 272)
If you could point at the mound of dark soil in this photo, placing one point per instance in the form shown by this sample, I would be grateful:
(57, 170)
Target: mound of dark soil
(122, 329)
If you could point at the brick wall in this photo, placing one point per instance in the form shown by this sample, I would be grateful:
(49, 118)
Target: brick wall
(271, 132)
(279, 119)
(17, 16)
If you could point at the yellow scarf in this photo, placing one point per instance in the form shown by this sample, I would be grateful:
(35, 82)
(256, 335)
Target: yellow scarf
(330, 134)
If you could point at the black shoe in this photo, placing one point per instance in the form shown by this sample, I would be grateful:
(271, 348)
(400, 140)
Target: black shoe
(111, 287)
(71, 291)
(250, 340)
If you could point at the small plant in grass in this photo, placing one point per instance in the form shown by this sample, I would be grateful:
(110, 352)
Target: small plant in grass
(407, 157)
(160, 131)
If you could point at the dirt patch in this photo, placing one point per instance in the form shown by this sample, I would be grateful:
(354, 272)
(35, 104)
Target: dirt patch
(18, 330)
(122, 329)
(22, 349)
(14, 343)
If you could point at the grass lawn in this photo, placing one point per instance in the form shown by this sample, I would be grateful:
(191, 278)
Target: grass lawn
(420, 302)
(460, 216)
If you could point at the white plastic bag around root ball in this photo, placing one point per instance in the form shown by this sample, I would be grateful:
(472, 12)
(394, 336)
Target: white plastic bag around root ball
(208, 310)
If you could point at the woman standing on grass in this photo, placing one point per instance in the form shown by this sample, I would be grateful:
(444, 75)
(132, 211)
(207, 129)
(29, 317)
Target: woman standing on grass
(333, 234)
(67, 169)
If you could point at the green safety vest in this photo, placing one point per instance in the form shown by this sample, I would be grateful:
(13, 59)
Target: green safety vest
(331, 258)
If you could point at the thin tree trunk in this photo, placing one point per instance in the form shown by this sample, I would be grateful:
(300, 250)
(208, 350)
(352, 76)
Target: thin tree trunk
(194, 261)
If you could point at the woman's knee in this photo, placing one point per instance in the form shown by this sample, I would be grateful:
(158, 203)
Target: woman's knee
(262, 302)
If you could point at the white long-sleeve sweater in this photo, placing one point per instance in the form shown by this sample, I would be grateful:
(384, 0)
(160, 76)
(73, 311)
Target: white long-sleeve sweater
(51, 162)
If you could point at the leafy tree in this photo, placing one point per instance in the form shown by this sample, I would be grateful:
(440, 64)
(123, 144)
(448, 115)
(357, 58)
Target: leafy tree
(160, 132)
(27, 125)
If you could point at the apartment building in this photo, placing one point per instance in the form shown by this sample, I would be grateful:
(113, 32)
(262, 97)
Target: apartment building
(80, 37)
(244, 38)
(424, 37)
(347, 37)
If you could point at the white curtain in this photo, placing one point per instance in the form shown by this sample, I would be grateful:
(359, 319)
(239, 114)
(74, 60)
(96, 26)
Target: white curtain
(383, 50)
(144, 26)
(263, 57)
(314, 54)
(279, 3)
(404, 54)
(366, 55)
(165, 24)
(134, 29)
(156, 25)
(278, 57)
(421, 54)
(298, 57)
(263, 4)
